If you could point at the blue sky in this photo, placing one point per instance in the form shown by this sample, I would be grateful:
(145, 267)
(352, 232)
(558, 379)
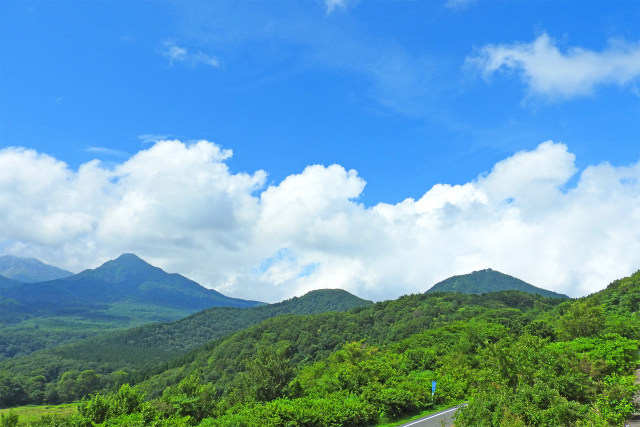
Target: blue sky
(402, 95)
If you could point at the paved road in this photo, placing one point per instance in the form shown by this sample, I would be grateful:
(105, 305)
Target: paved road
(439, 419)
(635, 419)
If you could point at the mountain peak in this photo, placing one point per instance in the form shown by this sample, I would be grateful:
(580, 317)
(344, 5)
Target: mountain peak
(130, 259)
(127, 267)
(327, 300)
(29, 270)
(488, 280)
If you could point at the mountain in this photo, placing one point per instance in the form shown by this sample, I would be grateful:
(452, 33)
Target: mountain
(122, 293)
(29, 270)
(125, 281)
(485, 281)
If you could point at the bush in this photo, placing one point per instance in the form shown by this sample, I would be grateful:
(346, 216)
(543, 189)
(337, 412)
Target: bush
(9, 420)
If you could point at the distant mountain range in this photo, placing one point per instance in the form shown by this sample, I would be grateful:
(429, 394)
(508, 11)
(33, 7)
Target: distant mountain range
(485, 281)
(29, 270)
(121, 293)
(127, 281)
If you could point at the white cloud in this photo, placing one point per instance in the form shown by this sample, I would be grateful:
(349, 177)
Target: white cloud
(107, 151)
(149, 138)
(551, 73)
(177, 53)
(178, 206)
(332, 5)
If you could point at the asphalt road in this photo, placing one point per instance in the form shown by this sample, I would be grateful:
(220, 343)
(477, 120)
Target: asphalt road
(439, 419)
(635, 419)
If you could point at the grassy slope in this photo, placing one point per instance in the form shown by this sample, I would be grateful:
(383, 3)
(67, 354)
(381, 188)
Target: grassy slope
(31, 413)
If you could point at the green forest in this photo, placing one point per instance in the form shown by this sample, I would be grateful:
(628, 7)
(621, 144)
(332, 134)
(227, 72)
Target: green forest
(514, 358)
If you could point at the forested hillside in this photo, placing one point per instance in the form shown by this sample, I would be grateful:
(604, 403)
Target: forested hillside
(517, 359)
(120, 294)
(110, 358)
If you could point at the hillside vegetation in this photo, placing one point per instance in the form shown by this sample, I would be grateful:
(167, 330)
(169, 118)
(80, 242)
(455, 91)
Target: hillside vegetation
(69, 372)
(518, 359)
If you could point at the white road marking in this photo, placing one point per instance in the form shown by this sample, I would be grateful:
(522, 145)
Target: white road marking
(430, 416)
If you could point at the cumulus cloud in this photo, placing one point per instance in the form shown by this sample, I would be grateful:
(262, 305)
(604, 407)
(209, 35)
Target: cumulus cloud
(549, 72)
(180, 207)
(175, 53)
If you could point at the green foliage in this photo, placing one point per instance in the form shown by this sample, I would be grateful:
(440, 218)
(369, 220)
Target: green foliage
(583, 319)
(190, 398)
(30, 414)
(13, 391)
(316, 337)
(125, 404)
(9, 420)
(518, 359)
(266, 374)
(143, 348)
(338, 409)
(621, 296)
(614, 404)
(562, 383)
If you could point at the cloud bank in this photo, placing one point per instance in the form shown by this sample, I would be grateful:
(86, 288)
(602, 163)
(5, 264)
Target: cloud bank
(551, 73)
(179, 206)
